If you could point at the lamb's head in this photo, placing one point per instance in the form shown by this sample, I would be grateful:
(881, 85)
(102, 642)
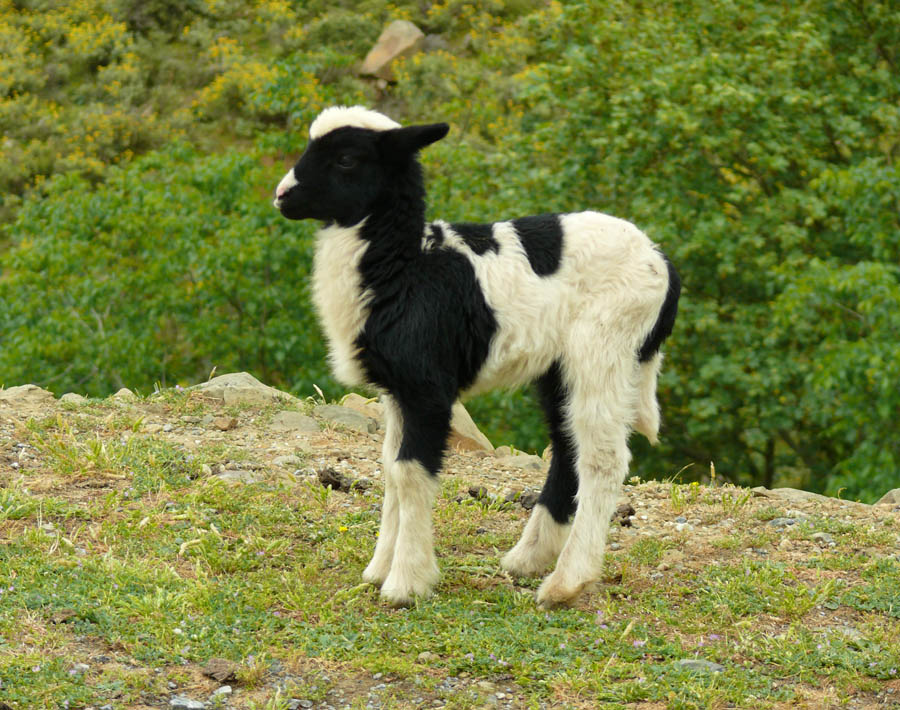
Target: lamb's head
(356, 159)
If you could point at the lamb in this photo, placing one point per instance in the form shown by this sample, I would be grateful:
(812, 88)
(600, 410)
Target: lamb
(428, 312)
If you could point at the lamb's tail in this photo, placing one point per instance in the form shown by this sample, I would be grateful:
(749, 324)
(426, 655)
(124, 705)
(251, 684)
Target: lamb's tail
(647, 422)
(650, 359)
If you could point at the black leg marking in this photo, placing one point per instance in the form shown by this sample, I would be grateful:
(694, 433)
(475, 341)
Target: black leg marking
(558, 493)
(425, 435)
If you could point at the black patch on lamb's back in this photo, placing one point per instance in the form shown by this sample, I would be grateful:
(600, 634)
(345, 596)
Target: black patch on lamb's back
(541, 237)
(478, 237)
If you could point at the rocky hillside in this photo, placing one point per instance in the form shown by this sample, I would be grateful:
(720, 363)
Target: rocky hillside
(122, 519)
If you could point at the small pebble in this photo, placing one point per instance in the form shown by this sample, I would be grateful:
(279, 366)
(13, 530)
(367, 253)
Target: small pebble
(823, 539)
(782, 522)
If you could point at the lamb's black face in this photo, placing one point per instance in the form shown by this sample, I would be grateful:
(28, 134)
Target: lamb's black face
(336, 179)
(343, 174)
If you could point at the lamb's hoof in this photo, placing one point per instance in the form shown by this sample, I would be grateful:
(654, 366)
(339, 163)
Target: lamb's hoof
(375, 574)
(402, 590)
(521, 564)
(556, 592)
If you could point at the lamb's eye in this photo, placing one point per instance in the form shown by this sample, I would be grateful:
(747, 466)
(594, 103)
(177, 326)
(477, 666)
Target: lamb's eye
(346, 162)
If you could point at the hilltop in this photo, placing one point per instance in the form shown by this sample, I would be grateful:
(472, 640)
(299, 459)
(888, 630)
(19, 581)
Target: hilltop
(156, 549)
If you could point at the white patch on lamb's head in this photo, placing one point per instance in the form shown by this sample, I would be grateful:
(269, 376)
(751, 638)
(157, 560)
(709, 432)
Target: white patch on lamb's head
(287, 182)
(355, 116)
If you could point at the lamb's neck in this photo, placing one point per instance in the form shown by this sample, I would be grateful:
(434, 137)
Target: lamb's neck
(394, 237)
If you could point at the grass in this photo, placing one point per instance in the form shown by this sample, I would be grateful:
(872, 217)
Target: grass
(160, 568)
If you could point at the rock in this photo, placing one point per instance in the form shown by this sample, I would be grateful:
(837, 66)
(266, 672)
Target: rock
(241, 388)
(503, 451)
(73, 398)
(822, 539)
(223, 691)
(180, 702)
(365, 406)
(511, 495)
(338, 481)
(233, 476)
(529, 498)
(782, 522)
(125, 395)
(464, 434)
(26, 394)
(343, 416)
(479, 492)
(294, 421)
(525, 462)
(892, 497)
(624, 512)
(288, 461)
(400, 38)
(224, 423)
(220, 669)
(698, 664)
(793, 495)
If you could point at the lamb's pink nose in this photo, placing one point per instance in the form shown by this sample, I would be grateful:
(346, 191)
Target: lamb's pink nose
(287, 182)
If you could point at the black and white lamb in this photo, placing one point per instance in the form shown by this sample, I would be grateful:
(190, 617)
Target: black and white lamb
(427, 311)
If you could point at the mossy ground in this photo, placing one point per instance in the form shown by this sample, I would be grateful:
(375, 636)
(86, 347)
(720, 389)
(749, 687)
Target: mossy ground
(119, 550)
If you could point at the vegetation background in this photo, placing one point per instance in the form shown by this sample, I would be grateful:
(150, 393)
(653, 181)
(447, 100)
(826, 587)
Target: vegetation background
(758, 142)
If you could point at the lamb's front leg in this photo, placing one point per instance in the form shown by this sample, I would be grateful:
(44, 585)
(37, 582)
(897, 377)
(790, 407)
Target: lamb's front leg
(414, 569)
(380, 566)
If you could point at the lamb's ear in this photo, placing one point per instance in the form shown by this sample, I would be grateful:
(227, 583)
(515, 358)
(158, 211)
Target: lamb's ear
(409, 139)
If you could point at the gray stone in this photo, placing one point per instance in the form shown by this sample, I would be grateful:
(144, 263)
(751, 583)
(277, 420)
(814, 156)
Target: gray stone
(294, 421)
(400, 38)
(529, 498)
(782, 522)
(241, 388)
(222, 691)
(231, 476)
(363, 405)
(343, 416)
(524, 462)
(823, 539)
(794, 495)
(288, 461)
(464, 434)
(26, 394)
(698, 664)
(892, 497)
(180, 702)
(73, 398)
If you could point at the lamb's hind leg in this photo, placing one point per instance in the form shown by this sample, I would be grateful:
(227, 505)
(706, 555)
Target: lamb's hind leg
(380, 566)
(548, 527)
(601, 410)
(414, 569)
